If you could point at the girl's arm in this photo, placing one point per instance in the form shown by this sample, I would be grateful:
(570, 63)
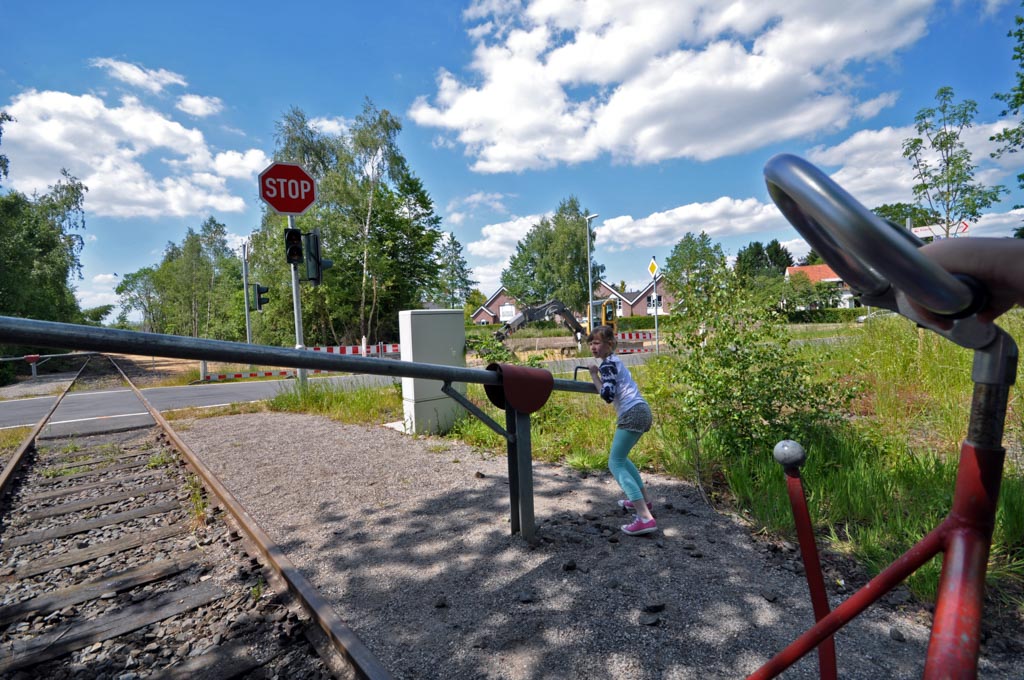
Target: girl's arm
(604, 380)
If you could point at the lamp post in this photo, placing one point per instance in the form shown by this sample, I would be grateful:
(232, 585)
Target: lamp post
(590, 282)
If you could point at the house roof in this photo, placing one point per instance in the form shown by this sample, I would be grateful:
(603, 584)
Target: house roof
(629, 296)
(495, 294)
(814, 272)
(637, 294)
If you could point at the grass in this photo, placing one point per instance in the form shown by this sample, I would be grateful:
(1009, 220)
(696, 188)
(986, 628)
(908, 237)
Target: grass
(811, 331)
(197, 505)
(180, 379)
(885, 478)
(198, 412)
(11, 439)
(362, 406)
(161, 459)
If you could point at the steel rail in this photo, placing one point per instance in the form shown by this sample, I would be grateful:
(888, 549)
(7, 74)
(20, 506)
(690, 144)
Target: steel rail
(30, 441)
(342, 638)
(64, 335)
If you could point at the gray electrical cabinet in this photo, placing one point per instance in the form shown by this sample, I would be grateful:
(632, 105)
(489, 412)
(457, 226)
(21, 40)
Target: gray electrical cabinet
(432, 336)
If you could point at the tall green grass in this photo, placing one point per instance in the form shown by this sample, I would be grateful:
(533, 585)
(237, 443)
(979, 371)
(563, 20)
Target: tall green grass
(365, 405)
(885, 478)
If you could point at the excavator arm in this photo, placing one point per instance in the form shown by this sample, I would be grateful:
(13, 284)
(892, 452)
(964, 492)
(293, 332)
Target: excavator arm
(549, 308)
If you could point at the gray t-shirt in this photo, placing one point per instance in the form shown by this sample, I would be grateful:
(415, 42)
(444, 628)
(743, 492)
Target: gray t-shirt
(618, 386)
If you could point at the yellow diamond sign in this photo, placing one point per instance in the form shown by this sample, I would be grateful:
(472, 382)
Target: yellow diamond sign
(653, 268)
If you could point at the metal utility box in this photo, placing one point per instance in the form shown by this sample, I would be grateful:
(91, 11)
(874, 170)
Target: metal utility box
(433, 336)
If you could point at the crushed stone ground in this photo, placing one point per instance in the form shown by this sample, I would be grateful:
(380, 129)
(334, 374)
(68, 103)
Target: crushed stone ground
(409, 540)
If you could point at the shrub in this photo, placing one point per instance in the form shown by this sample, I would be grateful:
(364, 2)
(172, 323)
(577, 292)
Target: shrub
(733, 386)
(639, 323)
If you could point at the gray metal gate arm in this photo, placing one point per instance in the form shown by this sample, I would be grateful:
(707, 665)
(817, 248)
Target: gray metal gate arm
(34, 333)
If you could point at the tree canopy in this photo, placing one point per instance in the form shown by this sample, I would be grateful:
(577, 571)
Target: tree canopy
(947, 186)
(756, 259)
(1011, 139)
(691, 271)
(377, 224)
(899, 213)
(551, 260)
(454, 278)
(40, 245)
(195, 291)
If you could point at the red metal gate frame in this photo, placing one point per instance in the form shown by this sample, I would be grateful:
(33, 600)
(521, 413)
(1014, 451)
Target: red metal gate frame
(964, 536)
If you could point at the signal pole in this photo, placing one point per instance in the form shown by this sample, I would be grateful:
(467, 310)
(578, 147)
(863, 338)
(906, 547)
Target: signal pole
(297, 303)
(245, 288)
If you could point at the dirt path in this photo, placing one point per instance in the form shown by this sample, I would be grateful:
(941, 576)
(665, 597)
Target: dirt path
(409, 539)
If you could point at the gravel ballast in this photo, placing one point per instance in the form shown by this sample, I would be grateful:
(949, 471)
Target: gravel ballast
(409, 540)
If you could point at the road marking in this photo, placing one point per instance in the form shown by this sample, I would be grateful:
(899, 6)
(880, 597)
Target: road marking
(93, 394)
(84, 420)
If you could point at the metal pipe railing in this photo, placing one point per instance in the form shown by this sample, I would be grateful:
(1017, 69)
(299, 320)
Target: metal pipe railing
(517, 435)
(35, 333)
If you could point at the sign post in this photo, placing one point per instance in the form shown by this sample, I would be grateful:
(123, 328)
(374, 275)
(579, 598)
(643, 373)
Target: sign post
(653, 269)
(290, 190)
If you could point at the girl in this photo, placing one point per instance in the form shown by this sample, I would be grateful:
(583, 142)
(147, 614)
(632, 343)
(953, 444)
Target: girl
(616, 386)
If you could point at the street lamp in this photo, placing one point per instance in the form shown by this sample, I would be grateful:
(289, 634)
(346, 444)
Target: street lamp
(590, 283)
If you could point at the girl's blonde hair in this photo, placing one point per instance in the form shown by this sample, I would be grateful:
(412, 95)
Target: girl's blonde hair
(604, 334)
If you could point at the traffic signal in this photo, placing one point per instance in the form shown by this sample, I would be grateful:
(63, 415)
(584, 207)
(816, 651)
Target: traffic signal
(293, 246)
(260, 300)
(315, 264)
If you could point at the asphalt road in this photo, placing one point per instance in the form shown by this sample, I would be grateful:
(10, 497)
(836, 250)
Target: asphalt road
(104, 411)
(84, 412)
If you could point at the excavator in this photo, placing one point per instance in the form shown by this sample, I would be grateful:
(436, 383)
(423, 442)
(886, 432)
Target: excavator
(603, 314)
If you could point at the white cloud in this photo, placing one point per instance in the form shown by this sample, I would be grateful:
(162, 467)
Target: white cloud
(488, 276)
(235, 241)
(94, 298)
(873, 107)
(151, 80)
(998, 224)
(198, 106)
(797, 247)
(331, 126)
(871, 166)
(461, 209)
(492, 200)
(98, 291)
(719, 218)
(135, 161)
(500, 240)
(554, 82)
(239, 164)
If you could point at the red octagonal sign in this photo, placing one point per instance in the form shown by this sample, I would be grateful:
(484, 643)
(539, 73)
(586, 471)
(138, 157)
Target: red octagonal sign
(287, 188)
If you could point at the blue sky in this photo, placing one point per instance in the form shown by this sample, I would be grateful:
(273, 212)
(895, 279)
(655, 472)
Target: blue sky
(657, 114)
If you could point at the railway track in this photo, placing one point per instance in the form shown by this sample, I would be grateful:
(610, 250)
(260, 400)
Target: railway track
(121, 556)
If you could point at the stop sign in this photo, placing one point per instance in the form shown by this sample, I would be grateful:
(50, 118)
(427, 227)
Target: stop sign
(287, 188)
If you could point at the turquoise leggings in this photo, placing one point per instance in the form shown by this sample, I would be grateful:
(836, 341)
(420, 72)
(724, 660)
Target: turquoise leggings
(622, 467)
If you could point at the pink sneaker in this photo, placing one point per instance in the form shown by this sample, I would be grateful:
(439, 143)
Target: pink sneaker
(639, 527)
(628, 505)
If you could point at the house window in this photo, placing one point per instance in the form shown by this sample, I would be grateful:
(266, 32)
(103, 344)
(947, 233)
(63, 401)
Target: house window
(618, 307)
(506, 312)
(652, 304)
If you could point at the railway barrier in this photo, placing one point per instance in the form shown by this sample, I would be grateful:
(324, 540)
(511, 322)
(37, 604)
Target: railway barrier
(513, 390)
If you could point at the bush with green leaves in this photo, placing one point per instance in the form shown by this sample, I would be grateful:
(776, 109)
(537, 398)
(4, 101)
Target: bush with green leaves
(489, 349)
(733, 387)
